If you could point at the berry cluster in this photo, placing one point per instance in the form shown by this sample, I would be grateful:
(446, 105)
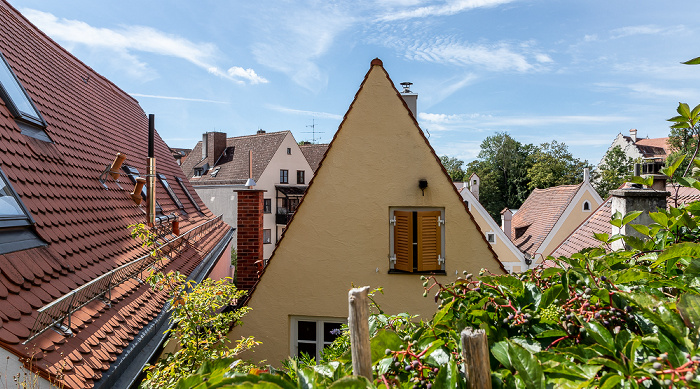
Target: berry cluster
(408, 365)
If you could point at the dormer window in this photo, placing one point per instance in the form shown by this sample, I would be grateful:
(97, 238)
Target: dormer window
(20, 105)
(15, 221)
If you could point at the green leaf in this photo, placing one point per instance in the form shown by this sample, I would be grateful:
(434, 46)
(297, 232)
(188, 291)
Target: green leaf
(603, 237)
(551, 294)
(675, 355)
(694, 61)
(610, 381)
(685, 250)
(642, 229)
(631, 215)
(648, 181)
(354, 382)
(527, 366)
(659, 217)
(443, 315)
(447, 376)
(383, 340)
(689, 308)
(550, 271)
(551, 334)
(683, 110)
(599, 333)
(616, 219)
(500, 352)
(630, 276)
(634, 242)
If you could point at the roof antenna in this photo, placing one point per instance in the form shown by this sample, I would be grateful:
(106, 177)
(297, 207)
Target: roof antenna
(313, 131)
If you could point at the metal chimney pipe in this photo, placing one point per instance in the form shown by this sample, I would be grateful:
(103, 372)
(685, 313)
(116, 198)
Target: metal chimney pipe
(151, 176)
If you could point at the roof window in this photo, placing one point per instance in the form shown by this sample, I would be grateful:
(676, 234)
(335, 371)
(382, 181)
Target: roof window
(171, 193)
(20, 105)
(187, 193)
(15, 221)
(215, 171)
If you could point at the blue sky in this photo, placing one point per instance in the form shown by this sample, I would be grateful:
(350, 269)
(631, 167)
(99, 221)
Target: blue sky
(575, 71)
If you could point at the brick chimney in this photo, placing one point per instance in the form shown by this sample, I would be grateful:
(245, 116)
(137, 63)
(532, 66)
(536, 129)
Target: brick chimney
(213, 145)
(250, 237)
(635, 199)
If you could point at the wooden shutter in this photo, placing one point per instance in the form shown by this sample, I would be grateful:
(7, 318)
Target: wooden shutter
(403, 240)
(429, 241)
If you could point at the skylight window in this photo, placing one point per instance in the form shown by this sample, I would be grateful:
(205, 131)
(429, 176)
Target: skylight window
(16, 97)
(187, 193)
(15, 221)
(171, 193)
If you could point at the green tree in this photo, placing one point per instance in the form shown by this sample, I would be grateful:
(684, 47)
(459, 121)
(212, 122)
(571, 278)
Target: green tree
(684, 134)
(502, 165)
(613, 171)
(554, 165)
(453, 167)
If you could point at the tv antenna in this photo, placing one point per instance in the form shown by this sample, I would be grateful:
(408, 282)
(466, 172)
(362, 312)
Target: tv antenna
(313, 131)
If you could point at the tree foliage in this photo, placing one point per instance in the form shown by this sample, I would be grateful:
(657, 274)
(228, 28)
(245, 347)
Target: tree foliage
(453, 167)
(554, 165)
(502, 165)
(613, 171)
(684, 134)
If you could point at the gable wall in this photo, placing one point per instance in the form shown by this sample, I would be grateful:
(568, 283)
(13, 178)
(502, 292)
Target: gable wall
(339, 236)
(573, 217)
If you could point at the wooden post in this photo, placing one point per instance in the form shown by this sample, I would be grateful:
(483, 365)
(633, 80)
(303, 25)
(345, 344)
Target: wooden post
(475, 351)
(358, 322)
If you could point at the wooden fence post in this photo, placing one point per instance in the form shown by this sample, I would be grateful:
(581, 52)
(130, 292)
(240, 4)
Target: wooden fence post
(358, 322)
(475, 351)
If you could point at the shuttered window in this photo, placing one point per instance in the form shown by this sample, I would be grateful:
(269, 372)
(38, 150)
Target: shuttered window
(417, 241)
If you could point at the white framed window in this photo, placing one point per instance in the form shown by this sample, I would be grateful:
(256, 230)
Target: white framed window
(310, 335)
(417, 239)
(491, 237)
(586, 207)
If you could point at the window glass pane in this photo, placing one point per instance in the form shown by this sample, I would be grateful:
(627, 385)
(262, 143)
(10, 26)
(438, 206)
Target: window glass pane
(330, 331)
(8, 203)
(307, 330)
(15, 92)
(307, 348)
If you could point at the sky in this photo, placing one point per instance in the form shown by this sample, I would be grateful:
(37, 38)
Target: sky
(578, 72)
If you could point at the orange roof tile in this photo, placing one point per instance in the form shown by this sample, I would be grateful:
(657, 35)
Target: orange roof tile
(536, 217)
(89, 120)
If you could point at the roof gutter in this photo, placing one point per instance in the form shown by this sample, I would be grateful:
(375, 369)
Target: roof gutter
(124, 372)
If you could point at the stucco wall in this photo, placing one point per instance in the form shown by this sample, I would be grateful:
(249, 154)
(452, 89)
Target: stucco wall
(221, 200)
(11, 366)
(340, 234)
(574, 216)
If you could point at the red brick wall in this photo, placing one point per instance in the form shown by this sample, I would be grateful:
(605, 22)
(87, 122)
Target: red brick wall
(250, 237)
(216, 144)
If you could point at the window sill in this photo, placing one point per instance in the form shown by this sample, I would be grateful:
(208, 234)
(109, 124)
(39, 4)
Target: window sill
(432, 272)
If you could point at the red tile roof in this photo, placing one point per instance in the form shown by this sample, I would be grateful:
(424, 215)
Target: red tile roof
(89, 120)
(314, 154)
(652, 148)
(536, 217)
(234, 163)
(599, 222)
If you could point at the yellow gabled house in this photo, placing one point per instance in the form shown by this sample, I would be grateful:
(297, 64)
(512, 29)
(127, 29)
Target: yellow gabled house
(380, 211)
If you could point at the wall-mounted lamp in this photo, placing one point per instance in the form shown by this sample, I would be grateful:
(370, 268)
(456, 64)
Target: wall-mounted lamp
(113, 170)
(422, 184)
(136, 194)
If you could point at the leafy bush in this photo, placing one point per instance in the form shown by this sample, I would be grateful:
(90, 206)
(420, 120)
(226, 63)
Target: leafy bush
(602, 318)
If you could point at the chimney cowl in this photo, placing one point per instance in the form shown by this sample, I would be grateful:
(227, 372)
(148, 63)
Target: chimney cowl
(260, 131)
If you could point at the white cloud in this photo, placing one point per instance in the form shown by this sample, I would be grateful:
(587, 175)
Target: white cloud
(644, 30)
(126, 41)
(643, 90)
(324, 115)
(517, 121)
(246, 74)
(443, 8)
(178, 98)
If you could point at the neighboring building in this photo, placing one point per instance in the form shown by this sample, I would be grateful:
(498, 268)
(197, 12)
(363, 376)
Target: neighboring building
(314, 153)
(378, 183)
(217, 166)
(73, 307)
(179, 154)
(599, 221)
(512, 259)
(549, 215)
(640, 149)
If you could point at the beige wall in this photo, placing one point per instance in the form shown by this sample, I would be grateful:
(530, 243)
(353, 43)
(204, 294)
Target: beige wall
(340, 234)
(271, 177)
(573, 217)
